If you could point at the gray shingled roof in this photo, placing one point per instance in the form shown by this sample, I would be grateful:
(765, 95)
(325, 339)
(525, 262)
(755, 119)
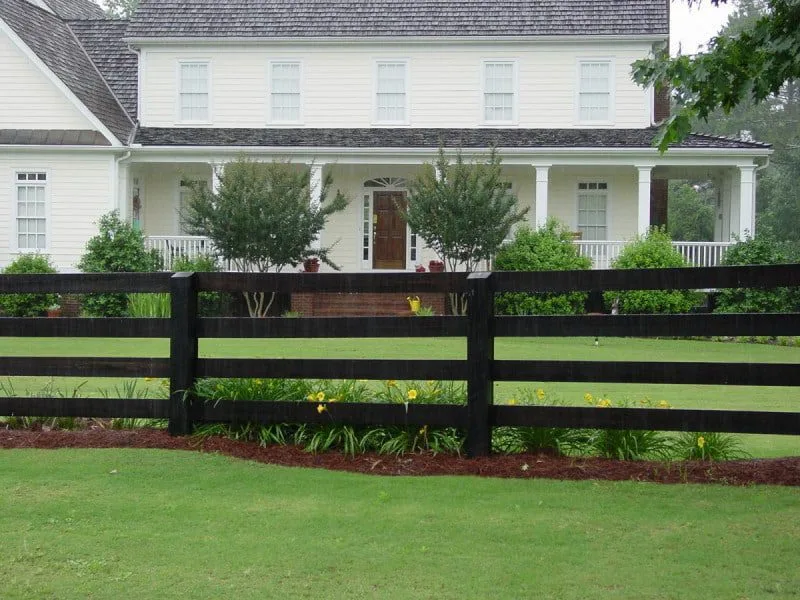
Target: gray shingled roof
(75, 9)
(426, 138)
(403, 18)
(52, 137)
(53, 42)
(102, 41)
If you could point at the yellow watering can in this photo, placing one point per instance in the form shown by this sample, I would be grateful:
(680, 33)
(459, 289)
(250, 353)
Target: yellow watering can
(414, 304)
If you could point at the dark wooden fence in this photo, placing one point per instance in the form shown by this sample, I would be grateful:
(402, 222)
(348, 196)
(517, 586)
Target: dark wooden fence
(480, 369)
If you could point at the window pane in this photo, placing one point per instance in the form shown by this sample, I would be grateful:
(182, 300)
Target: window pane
(391, 92)
(595, 91)
(498, 98)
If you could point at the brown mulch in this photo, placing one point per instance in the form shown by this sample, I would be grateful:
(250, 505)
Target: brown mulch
(782, 471)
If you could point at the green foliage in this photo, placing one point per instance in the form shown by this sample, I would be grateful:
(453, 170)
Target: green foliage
(28, 305)
(121, 9)
(262, 219)
(559, 441)
(209, 304)
(751, 64)
(653, 251)
(149, 305)
(549, 248)
(465, 215)
(117, 248)
(708, 445)
(691, 210)
(761, 250)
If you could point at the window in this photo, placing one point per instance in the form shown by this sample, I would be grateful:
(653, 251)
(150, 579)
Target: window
(31, 193)
(284, 92)
(594, 95)
(498, 92)
(592, 210)
(194, 92)
(366, 210)
(390, 93)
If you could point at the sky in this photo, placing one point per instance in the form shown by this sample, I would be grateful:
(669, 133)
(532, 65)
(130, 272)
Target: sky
(692, 27)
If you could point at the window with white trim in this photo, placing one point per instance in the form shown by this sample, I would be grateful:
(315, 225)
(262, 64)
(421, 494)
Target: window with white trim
(594, 91)
(194, 91)
(31, 218)
(499, 102)
(284, 89)
(390, 92)
(366, 210)
(593, 210)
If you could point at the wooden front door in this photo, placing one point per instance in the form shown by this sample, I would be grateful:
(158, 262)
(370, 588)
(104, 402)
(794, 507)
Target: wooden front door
(388, 231)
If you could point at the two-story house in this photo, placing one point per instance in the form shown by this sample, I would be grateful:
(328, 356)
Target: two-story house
(99, 114)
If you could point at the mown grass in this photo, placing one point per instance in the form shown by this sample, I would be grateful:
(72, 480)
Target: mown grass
(101, 524)
(612, 349)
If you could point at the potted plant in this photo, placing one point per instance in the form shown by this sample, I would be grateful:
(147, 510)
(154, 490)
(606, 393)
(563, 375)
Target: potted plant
(436, 266)
(420, 268)
(311, 265)
(54, 310)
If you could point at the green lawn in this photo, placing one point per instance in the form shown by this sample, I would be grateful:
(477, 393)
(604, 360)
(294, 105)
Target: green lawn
(614, 349)
(113, 524)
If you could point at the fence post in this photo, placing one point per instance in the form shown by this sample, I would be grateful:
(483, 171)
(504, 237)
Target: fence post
(182, 352)
(480, 355)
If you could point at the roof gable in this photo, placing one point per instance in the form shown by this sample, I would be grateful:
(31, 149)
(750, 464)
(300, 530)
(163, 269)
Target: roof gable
(397, 18)
(53, 43)
(75, 9)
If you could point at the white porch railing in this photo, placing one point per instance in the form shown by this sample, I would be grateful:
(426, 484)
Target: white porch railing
(698, 254)
(602, 253)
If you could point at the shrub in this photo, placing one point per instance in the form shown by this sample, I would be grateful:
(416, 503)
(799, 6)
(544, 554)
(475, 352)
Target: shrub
(209, 304)
(28, 305)
(549, 248)
(117, 248)
(761, 250)
(709, 445)
(652, 251)
(149, 305)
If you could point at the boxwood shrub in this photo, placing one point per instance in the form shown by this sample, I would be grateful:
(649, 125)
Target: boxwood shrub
(28, 305)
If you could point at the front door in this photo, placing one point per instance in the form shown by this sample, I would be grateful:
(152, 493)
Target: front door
(388, 231)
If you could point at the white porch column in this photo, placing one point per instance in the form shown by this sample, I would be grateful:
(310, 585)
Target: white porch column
(215, 170)
(645, 172)
(123, 191)
(315, 189)
(542, 190)
(747, 201)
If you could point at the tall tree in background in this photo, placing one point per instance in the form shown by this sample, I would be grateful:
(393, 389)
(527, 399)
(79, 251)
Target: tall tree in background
(120, 9)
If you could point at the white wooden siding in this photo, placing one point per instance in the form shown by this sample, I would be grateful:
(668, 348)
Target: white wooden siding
(80, 190)
(28, 99)
(444, 83)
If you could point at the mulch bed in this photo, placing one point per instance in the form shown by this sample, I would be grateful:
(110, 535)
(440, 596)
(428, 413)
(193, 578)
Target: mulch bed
(783, 471)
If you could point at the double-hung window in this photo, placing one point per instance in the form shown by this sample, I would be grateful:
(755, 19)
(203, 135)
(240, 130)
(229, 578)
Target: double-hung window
(595, 91)
(284, 92)
(31, 213)
(593, 210)
(194, 91)
(391, 92)
(499, 91)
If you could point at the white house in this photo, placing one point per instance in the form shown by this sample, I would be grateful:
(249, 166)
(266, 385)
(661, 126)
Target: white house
(98, 114)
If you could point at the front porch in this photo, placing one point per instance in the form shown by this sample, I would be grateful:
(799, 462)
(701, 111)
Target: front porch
(602, 253)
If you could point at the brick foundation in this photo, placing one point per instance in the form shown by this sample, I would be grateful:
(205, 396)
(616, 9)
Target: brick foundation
(362, 304)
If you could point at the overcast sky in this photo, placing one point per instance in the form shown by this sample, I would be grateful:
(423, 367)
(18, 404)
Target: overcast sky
(693, 27)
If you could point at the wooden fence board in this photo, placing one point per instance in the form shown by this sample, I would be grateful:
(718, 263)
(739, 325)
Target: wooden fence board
(658, 419)
(341, 413)
(101, 408)
(650, 325)
(84, 366)
(85, 283)
(71, 327)
(648, 372)
(332, 327)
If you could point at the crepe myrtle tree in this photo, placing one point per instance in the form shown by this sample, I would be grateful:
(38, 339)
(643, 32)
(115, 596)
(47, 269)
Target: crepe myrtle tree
(262, 219)
(463, 212)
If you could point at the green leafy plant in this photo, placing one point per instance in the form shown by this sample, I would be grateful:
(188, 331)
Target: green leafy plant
(117, 248)
(463, 215)
(709, 445)
(425, 311)
(559, 441)
(28, 305)
(760, 250)
(652, 251)
(149, 305)
(209, 304)
(548, 248)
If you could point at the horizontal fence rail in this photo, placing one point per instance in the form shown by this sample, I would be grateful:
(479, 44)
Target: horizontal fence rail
(479, 368)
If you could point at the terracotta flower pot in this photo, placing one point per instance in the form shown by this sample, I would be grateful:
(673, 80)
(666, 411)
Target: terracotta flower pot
(311, 265)
(436, 266)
